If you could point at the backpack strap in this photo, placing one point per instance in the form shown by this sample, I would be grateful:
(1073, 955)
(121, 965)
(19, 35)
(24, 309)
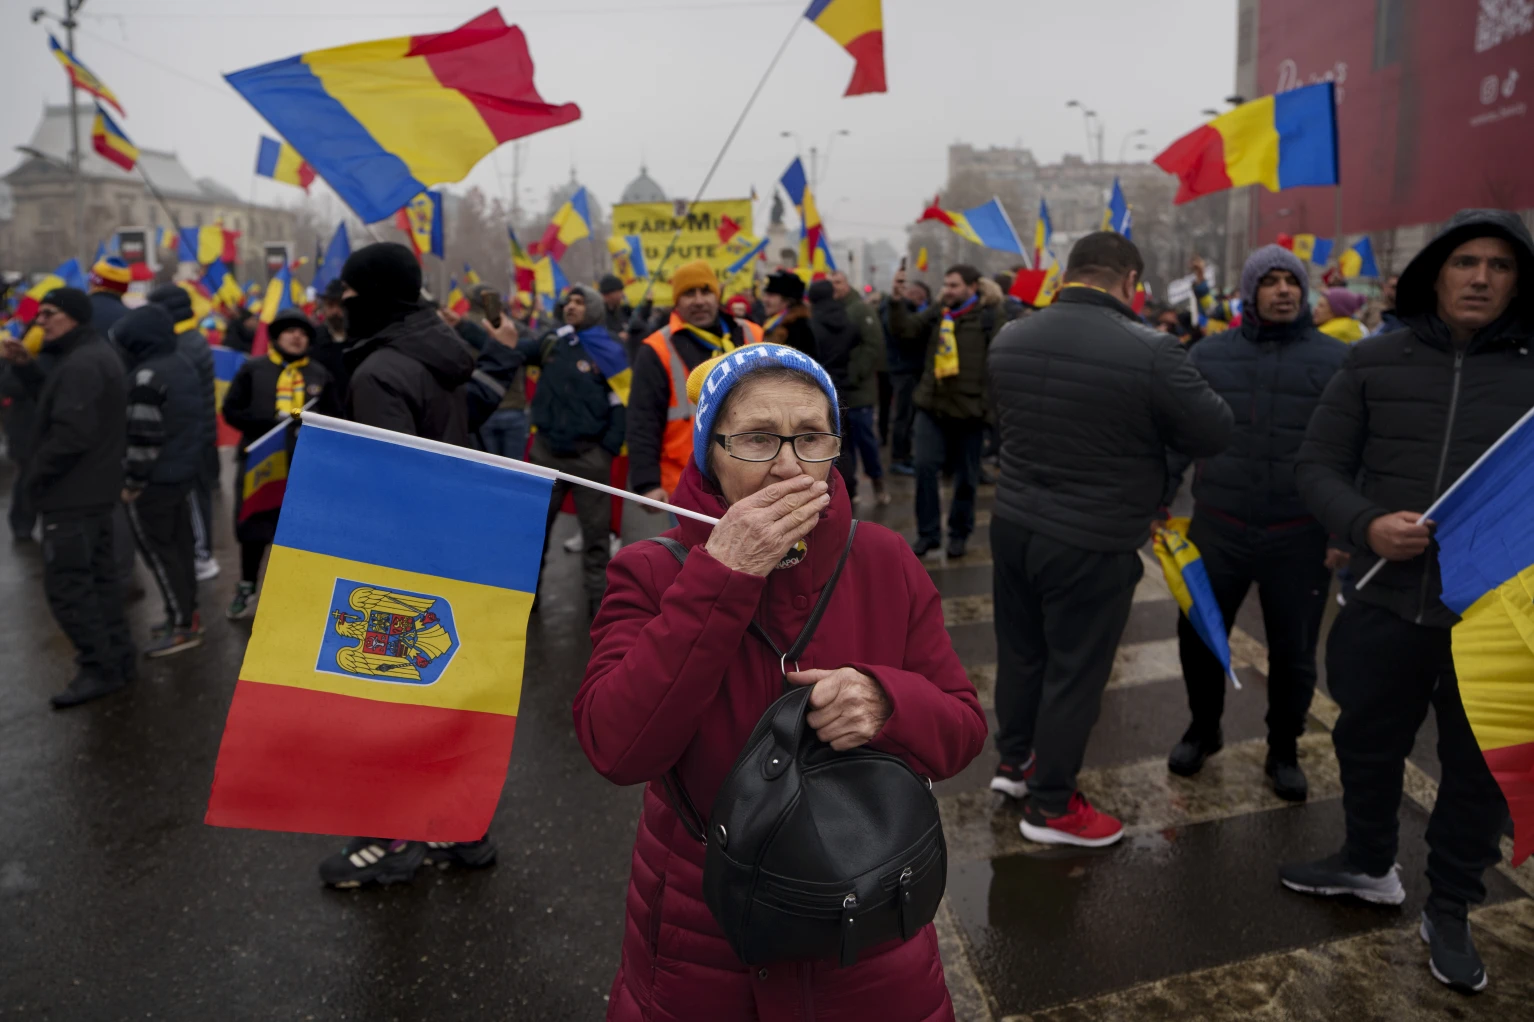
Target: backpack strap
(676, 791)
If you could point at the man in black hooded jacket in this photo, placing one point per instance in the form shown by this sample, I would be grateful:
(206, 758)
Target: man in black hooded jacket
(1249, 523)
(1407, 415)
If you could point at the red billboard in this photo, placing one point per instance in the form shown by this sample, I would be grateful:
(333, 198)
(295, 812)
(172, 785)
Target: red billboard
(1432, 104)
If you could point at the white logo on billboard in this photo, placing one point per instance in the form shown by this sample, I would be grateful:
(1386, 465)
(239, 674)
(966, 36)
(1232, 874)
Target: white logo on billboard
(1501, 20)
(1289, 76)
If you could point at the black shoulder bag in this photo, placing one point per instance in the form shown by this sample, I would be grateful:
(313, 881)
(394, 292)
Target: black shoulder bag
(813, 853)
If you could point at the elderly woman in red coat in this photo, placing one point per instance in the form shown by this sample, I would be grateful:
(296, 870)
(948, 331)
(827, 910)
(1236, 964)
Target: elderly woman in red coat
(675, 680)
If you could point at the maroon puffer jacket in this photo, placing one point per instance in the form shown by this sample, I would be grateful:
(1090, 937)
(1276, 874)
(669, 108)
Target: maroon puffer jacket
(676, 680)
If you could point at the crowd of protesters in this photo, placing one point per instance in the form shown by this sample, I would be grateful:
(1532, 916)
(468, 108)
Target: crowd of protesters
(1316, 441)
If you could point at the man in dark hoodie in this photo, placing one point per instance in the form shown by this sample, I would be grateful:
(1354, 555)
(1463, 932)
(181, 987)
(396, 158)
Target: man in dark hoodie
(840, 344)
(1408, 414)
(580, 420)
(74, 477)
(193, 347)
(1248, 520)
(408, 367)
(409, 372)
(165, 460)
(788, 318)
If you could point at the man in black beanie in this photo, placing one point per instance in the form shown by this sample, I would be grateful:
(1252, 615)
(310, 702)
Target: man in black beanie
(616, 311)
(408, 367)
(74, 478)
(788, 318)
(408, 370)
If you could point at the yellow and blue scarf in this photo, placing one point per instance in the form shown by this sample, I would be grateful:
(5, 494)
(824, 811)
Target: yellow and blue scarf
(946, 362)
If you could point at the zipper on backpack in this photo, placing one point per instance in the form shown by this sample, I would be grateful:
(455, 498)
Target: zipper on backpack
(849, 954)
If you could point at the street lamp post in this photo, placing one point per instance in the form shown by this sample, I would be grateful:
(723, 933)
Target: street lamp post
(71, 8)
(1086, 121)
(1124, 144)
(816, 168)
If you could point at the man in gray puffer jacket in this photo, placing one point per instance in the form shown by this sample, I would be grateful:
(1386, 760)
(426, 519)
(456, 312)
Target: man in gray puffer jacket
(1249, 522)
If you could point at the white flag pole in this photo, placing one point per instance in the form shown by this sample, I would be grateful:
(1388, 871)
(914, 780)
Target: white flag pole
(486, 458)
(1428, 514)
(281, 425)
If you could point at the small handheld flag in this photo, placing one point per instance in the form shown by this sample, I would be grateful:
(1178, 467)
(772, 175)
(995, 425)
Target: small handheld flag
(921, 260)
(858, 27)
(1358, 260)
(570, 224)
(1282, 141)
(421, 220)
(380, 688)
(1189, 583)
(81, 77)
(111, 142)
(1117, 217)
(281, 162)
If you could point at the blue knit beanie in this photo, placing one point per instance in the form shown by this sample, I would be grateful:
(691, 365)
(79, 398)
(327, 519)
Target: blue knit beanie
(727, 372)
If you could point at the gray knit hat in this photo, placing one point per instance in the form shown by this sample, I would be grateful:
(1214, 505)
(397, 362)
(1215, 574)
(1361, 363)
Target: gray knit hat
(1264, 260)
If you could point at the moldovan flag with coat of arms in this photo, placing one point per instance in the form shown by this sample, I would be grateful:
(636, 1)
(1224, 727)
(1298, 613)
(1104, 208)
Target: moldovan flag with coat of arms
(1486, 560)
(380, 688)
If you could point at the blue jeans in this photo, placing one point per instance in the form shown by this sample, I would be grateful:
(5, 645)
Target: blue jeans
(505, 433)
(943, 441)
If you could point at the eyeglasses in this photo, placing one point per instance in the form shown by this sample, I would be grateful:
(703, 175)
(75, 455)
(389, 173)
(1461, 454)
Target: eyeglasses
(43, 314)
(809, 447)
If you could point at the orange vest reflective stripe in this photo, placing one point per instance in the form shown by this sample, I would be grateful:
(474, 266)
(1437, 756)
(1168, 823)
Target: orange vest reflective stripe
(676, 441)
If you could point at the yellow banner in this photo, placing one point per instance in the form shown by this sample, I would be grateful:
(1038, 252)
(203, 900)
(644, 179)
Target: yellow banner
(656, 223)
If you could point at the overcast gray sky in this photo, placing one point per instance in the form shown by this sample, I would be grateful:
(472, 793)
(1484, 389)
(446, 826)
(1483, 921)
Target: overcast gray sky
(663, 80)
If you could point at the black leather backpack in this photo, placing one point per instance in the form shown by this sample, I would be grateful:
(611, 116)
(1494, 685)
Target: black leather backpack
(813, 853)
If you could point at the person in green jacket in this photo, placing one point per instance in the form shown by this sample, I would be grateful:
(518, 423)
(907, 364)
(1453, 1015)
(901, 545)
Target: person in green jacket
(864, 366)
(950, 397)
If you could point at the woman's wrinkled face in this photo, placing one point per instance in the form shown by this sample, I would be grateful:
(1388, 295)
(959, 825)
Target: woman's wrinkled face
(787, 407)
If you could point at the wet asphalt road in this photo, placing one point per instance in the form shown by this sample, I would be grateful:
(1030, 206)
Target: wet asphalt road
(116, 902)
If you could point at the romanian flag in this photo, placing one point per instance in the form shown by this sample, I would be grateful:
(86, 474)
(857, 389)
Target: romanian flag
(1283, 141)
(68, 274)
(470, 278)
(456, 300)
(265, 479)
(81, 77)
(814, 250)
(336, 254)
(222, 285)
(108, 140)
(1189, 583)
(569, 225)
(986, 225)
(226, 362)
(1043, 230)
(279, 296)
(421, 220)
(921, 260)
(523, 272)
(281, 162)
(1036, 287)
(382, 121)
(204, 245)
(1116, 217)
(858, 27)
(382, 680)
(549, 281)
(1358, 260)
(1486, 559)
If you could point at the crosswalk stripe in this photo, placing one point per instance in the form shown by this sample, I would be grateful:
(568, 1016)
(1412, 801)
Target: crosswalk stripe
(1281, 985)
(1135, 663)
(974, 610)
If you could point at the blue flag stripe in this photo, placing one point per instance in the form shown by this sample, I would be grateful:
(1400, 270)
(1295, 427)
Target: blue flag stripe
(1483, 530)
(398, 506)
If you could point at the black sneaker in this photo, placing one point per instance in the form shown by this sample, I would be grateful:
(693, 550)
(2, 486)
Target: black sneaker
(1451, 952)
(1188, 756)
(1012, 777)
(903, 468)
(244, 602)
(85, 686)
(373, 860)
(1334, 876)
(1286, 777)
(472, 854)
(956, 548)
(924, 546)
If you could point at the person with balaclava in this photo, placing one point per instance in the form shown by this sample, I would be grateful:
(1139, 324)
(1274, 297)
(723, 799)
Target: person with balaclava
(408, 367)
(409, 371)
(267, 391)
(579, 412)
(1249, 521)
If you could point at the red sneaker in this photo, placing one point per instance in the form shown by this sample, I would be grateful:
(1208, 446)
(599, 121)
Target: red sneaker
(1079, 825)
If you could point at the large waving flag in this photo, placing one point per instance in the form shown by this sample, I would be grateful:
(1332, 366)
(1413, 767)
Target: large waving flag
(381, 684)
(1189, 583)
(281, 162)
(383, 121)
(1117, 217)
(1486, 559)
(421, 220)
(82, 78)
(858, 27)
(986, 225)
(1282, 141)
(570, 224)
(111, 142)
(336, 254)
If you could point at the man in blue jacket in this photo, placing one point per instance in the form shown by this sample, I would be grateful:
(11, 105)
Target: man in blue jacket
(1249, 522)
